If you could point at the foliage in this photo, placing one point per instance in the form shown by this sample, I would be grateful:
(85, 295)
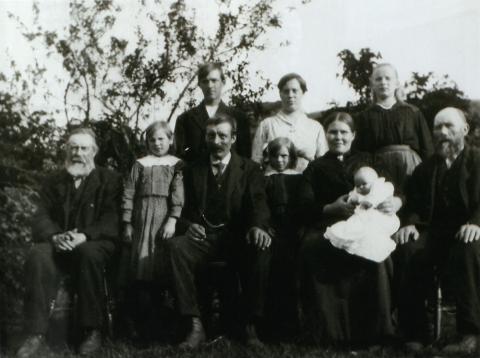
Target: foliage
(431, 94)
(16, 208)
(114, 78)
(109, 78)
(28, 137)
(357, 71)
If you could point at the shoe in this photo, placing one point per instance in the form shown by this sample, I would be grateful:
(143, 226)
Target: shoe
(251, 338)
(196, 335)
(414, 346)
(467, 345)
(91, 344)
(31, 345)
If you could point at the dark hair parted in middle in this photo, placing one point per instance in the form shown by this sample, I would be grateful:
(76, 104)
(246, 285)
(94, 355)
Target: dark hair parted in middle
(206, 68)
(292, 76)
(276, 144)
(341, 117)
(223, 118)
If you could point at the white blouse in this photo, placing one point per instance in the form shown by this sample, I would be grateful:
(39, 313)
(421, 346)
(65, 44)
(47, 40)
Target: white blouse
(306, 134)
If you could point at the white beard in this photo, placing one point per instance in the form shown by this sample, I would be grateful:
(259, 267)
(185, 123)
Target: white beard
(79, 169)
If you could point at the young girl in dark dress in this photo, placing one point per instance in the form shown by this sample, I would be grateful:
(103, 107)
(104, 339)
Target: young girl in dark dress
(392, 129)
(282, 183)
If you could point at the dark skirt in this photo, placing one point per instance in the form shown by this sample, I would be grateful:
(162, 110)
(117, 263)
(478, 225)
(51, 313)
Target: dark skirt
(400, 161)
(346, 299)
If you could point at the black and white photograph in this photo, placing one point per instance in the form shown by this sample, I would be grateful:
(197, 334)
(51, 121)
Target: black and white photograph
(240, 178)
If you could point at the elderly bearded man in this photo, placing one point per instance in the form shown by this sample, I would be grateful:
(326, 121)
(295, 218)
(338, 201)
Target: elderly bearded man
(74, 227)
(443, 229)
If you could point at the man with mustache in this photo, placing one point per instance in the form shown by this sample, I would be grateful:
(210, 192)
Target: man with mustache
(225, 217)
(190, 126)
(442, 228)
(74, 229)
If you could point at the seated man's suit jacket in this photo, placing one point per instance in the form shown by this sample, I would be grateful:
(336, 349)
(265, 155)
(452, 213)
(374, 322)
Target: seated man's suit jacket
(246, 204)
(422, 186)
(98, 209)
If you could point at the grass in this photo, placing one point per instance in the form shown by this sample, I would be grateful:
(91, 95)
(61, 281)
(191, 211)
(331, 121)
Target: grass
(226, 348)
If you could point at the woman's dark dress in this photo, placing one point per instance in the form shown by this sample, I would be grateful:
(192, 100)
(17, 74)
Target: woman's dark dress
(346, 298)
(282, 196)
(378, 128)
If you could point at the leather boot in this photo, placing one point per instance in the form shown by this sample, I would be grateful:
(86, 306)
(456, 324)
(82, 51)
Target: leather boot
(91, 344)
(31, 345)
(196, 335)
(468, 344)
(251, 337)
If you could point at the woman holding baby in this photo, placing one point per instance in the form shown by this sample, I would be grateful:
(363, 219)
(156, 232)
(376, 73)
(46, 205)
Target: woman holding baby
(345, 293)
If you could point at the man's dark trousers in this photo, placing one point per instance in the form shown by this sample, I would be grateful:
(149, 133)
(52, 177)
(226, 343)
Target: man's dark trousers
(187, 258)
(85, 264)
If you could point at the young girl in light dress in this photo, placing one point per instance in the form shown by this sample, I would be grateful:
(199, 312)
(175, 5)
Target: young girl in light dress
(367, 232)
(152, 201)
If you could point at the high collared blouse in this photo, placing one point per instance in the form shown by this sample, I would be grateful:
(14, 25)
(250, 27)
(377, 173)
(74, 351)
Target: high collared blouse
(306, 134)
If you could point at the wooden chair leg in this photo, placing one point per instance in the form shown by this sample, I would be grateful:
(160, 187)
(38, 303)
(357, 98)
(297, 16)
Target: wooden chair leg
(438, 309)
(109, 306)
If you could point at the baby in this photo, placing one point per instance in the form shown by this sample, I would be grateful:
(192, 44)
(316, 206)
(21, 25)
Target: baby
(367, 232)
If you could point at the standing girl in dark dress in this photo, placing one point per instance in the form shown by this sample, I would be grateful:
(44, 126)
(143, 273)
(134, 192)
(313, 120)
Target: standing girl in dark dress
(282, 183)
(346, 298)
(392, 129)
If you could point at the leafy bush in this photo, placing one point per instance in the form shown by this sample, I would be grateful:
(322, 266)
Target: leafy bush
(17, 206)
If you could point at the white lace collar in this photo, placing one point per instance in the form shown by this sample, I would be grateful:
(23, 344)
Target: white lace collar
(151, 160)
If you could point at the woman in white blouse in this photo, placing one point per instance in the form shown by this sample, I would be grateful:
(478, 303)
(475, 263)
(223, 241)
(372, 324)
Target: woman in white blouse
(291, 121)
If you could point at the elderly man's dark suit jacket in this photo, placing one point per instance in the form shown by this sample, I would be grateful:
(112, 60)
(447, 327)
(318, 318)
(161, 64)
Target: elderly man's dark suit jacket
(98, 213)
(190, 132)
(457, 261)
(422, 186)
(246, 199)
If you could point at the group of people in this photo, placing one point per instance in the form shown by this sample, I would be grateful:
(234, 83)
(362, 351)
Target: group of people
(348, 219)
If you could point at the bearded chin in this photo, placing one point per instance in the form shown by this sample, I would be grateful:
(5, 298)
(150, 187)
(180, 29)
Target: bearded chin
(76, 169)
(448, 149)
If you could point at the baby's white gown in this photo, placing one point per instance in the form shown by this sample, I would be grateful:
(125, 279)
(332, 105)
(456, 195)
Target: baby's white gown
(367, 232)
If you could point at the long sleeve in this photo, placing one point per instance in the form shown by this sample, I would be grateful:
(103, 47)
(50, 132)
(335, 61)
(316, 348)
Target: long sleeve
(128, 197)
(258, 142)
(321, 143)
(179, 135)
(177, 192)
(258, 207)
(310, 207)
(43, 226)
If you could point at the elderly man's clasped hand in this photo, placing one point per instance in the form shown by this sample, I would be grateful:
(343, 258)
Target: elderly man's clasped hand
(69, 240)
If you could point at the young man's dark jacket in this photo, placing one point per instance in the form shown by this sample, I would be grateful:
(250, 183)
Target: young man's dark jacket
(191, 127)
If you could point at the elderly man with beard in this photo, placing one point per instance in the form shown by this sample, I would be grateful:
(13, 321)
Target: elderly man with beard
(74, 229)
(442, 228)
(224, 217)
